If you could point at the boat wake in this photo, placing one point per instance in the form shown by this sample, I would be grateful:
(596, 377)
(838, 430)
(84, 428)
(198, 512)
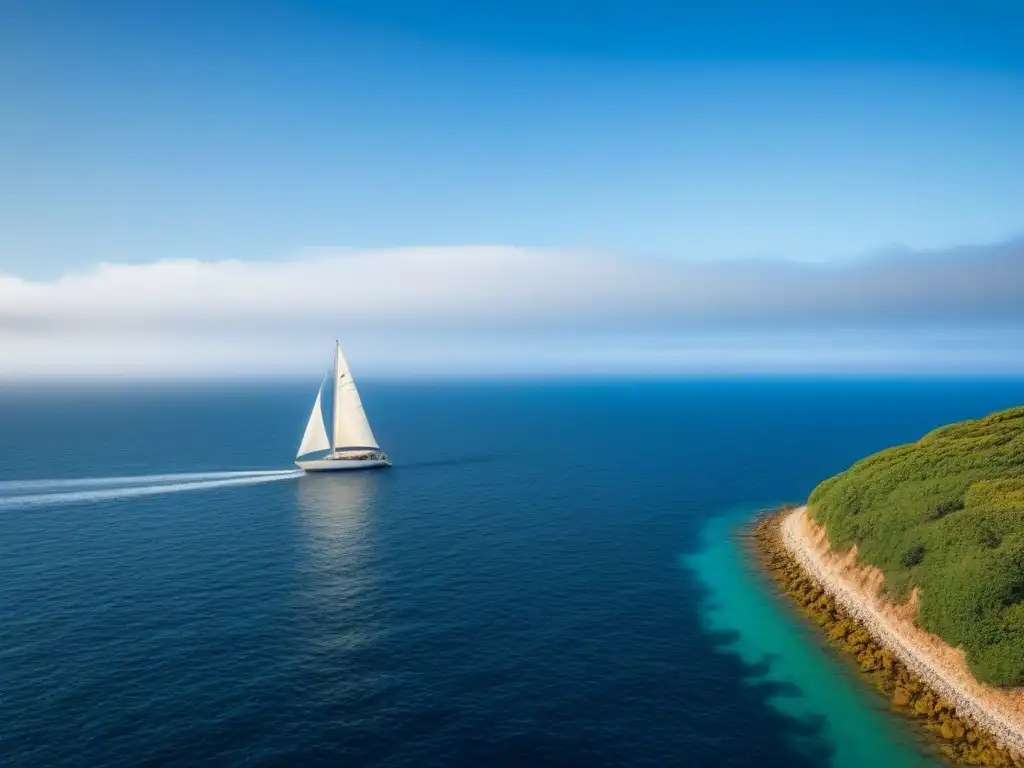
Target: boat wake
(39, 493)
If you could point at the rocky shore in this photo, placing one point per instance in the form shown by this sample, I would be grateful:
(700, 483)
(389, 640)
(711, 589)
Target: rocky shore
(970, 729)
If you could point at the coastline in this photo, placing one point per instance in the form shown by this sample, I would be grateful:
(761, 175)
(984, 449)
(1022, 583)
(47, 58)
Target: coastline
(925, 678)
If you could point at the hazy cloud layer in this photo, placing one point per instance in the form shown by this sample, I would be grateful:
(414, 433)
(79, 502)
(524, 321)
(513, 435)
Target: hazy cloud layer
(419, 288)
(502, 309)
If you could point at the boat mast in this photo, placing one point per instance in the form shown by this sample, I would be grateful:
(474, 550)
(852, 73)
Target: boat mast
(334, 410)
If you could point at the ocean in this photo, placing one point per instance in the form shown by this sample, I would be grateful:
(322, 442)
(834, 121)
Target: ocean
(550, 574)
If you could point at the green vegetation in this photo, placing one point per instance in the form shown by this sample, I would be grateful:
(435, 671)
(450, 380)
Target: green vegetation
(945, 514)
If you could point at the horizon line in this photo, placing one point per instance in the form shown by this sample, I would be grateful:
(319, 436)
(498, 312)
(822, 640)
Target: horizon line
(516, 377)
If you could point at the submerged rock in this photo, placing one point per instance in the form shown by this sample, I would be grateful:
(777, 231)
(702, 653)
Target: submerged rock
(900, 697)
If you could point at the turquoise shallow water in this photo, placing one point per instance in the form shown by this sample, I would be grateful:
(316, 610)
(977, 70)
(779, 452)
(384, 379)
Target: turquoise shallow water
(808, 680)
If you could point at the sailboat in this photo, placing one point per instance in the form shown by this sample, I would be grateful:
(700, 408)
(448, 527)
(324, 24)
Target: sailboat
(351, 444)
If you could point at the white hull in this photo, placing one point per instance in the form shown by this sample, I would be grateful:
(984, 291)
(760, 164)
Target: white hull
(334, 465)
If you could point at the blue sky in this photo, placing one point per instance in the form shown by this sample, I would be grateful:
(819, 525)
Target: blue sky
(136, 133)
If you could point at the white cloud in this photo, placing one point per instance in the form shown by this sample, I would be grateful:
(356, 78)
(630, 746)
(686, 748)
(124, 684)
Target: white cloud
(402, 287)
(508, 286)
(399, 304)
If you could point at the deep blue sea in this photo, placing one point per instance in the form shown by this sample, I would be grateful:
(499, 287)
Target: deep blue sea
(550, 574)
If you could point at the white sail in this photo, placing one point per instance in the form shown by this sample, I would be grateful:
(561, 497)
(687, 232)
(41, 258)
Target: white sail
(351, 428)
(315, 436)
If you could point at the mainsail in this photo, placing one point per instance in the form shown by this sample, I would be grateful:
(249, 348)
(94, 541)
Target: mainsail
(351, 427)
(315, 436)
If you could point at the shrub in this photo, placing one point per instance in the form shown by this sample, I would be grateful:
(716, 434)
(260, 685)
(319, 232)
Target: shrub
(945, 508)
(912, 556)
